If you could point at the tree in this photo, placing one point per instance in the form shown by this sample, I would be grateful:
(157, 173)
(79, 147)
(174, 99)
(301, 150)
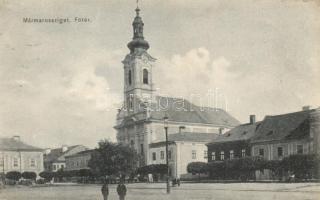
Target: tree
(197, 168)
(46, 175)
(29, 175)
(13, 175)
(113, 159)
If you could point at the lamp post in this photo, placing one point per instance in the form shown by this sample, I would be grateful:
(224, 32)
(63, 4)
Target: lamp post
(165, 123)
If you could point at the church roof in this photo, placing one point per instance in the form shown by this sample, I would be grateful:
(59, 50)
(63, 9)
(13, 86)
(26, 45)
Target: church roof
(11, 144)
(181, 110)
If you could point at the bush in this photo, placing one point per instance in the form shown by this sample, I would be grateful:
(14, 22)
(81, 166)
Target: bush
(47, 175)
(235, 169)
(197, 168)
(29, 175)
(41, 181)
(302, 166)
(152, 169)
(13, 175)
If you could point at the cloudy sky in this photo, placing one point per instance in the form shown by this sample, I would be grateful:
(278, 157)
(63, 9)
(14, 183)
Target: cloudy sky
(62, 83)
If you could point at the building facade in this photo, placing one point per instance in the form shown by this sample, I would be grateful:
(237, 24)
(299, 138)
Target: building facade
(54, 159)
(15, 155)
(234, 143)
(78, 161)
(140, 120)
(184, 148)
(280, 136)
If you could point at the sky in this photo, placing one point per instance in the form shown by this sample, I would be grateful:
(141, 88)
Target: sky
(61, 84)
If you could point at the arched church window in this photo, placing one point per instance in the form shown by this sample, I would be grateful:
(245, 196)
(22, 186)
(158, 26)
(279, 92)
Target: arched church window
(130, 77)
(145, 76)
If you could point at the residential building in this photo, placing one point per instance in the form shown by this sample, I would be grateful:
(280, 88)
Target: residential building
(183, 149)
(16, 155)
(234, 143)
(54, 159)
(140, 120)
(78, 161)
(284, 135)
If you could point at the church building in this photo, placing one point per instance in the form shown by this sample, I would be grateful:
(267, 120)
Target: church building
(140, 120)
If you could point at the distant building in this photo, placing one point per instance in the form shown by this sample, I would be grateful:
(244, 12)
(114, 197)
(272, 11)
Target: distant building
(78, 161)
(15, 155)
(234, 143)
(54, 159)
(184, 148)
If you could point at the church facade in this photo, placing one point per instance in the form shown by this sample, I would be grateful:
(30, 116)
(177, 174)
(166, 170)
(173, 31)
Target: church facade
(140, 120)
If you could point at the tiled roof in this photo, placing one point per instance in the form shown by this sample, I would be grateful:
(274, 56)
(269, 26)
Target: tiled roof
(187, 137)
(89, 151)
(241, 132)
(181, 110)
(55, 154)
(192, 137)
(11, 144)
(287, 126)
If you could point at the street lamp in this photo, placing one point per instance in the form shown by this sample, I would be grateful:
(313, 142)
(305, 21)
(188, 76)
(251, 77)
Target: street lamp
(165, 123)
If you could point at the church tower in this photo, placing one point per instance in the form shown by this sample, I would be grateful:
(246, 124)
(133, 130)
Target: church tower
(138, 85)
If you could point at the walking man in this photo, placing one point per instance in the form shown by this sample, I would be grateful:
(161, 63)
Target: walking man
(122, 190)
(105, 190)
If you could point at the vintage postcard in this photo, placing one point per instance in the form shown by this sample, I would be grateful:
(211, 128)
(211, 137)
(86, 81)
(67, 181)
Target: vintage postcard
(160, 99)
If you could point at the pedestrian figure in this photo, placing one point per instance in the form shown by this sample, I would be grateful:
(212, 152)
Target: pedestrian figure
(178, 182)
(122, 190)
(105, 190)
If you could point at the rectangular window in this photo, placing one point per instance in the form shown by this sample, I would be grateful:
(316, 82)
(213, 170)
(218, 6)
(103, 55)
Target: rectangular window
(280, 151)
(261, 152)
(243, 153)
(154, 156)
(15, 162)
(205, 154)
(54, 167)
(222, 155)
(231, 154)
(32, 162)
(169, 155)
(161, 155)
(194, 154)
(299, 149)
(213, 156)
(141, 148)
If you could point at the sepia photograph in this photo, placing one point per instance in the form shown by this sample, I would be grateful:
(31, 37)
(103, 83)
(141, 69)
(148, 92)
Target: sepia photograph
(160, 99)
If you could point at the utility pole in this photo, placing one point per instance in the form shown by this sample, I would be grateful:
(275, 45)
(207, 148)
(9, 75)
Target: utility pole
(167, 157)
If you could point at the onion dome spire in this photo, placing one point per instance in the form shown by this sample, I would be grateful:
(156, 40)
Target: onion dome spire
(138, 39)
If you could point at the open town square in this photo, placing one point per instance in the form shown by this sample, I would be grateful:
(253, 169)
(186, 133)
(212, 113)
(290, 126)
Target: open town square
(157, 191)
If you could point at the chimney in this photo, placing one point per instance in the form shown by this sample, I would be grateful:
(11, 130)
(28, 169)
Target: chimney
(252, 119)
(64, 148)
(304, 108)
(16, 138)
(48, 150)
(180, 128)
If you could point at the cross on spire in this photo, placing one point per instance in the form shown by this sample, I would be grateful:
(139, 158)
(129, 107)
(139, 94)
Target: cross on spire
(137, 9)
